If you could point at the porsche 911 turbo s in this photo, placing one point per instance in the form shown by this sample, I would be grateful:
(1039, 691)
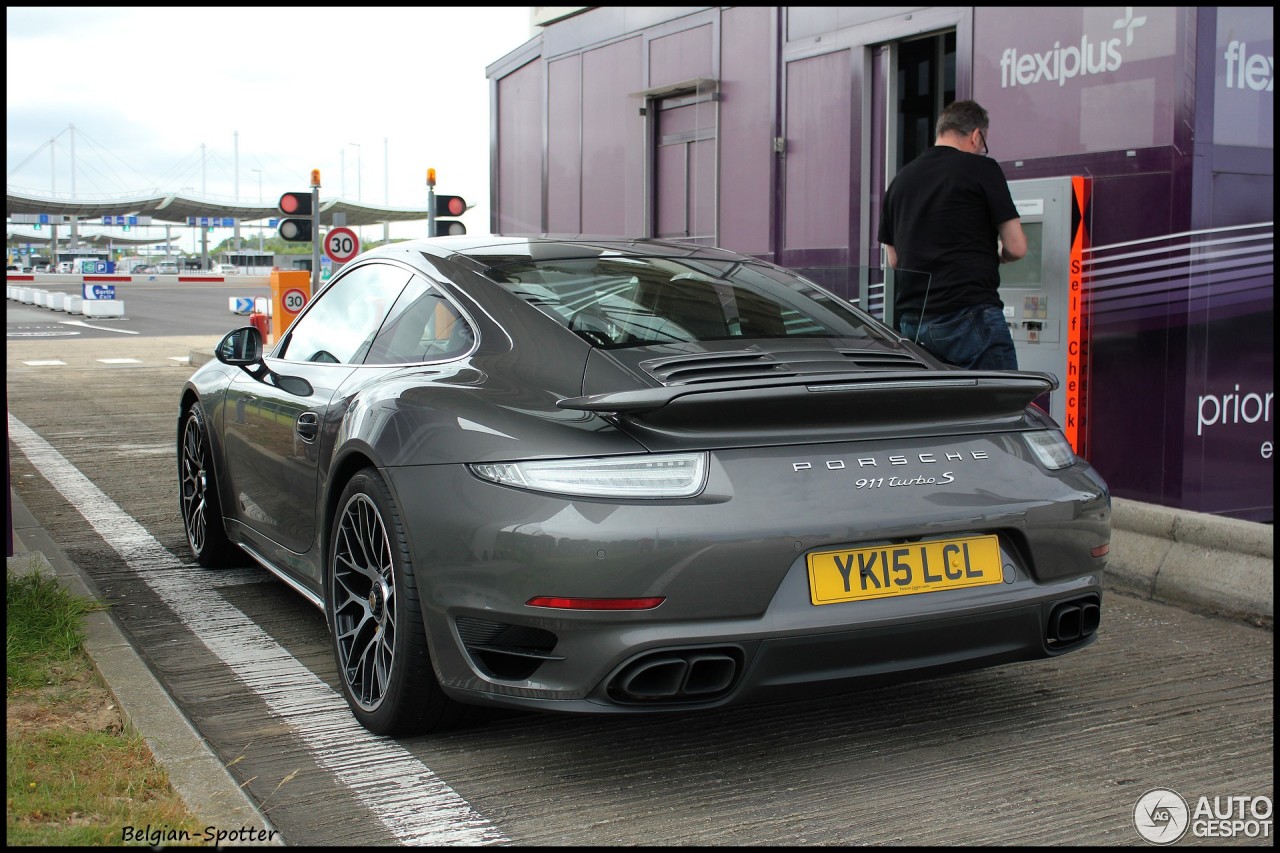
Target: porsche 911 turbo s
(632, 476)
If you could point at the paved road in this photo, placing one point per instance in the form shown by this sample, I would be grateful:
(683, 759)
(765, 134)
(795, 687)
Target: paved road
(151, 309)
(1054, 752)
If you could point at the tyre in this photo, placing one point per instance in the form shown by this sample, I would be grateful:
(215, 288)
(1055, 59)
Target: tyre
(198, 493)
(375, 619)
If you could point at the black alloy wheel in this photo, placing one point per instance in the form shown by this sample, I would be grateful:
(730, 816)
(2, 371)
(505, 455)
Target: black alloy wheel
(371, 601)
(198, 491)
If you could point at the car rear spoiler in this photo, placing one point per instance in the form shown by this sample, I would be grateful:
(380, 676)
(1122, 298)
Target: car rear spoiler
(842, 404)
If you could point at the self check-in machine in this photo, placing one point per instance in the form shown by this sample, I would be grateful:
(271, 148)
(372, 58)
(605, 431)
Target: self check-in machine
(1044, 296)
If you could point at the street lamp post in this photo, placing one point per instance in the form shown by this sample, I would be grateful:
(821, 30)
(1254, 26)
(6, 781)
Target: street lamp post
(359, 164)
(359, 161)
(261, 250)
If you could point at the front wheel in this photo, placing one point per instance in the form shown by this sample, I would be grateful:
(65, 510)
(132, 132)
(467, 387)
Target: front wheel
(375, 619)
(198, 491)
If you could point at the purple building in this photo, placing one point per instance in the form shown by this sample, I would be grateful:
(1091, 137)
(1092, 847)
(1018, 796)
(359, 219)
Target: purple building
(773, 131)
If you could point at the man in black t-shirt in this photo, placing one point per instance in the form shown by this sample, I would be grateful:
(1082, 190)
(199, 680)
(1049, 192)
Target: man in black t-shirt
(947, 224)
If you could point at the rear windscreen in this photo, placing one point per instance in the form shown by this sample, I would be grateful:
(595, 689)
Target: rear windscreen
(636, 301)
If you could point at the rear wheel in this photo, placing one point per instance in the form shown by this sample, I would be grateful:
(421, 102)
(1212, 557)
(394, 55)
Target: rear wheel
(201, 508)
(375, 619)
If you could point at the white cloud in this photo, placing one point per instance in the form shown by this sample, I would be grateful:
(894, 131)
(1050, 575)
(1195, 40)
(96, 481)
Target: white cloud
(199, 98)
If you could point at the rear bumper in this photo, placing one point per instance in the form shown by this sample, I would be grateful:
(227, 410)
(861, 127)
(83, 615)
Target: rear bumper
(718, 672)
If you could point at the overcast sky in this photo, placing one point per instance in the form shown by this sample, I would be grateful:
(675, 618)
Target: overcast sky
(195, 99)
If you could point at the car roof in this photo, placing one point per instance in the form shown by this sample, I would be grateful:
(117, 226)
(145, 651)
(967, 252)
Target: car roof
(489, 249)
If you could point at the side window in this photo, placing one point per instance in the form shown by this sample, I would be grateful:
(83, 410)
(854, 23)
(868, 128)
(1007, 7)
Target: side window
(422, 326)
(340, 324)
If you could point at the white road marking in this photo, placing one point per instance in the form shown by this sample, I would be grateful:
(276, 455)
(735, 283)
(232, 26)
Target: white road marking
(181, 359)
(46, 362)
(410, 800)
(99, 328)
(120, 360)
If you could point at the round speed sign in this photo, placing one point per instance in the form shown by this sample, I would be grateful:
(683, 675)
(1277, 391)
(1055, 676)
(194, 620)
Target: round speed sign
(293, 300)
(341, 244)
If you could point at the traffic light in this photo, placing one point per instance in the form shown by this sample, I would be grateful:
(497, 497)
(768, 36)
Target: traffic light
(297, 206)
(449, 205)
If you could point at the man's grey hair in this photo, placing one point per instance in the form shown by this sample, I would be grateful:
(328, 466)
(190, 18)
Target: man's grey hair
(963, 117)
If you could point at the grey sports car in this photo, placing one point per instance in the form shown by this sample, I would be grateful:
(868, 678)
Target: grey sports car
(632, 476)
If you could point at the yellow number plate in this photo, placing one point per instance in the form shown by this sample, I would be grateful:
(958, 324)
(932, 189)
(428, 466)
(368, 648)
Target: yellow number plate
(890, 570)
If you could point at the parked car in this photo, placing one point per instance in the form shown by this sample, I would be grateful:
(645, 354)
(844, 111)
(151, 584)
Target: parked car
(142, 269)
(632, 475)
(66, 267)
(166, 268)
(224, 269)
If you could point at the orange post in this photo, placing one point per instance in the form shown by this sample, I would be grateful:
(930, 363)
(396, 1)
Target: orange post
(290, 293)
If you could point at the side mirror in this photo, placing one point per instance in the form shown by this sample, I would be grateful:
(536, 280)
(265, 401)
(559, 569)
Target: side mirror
(241, 347)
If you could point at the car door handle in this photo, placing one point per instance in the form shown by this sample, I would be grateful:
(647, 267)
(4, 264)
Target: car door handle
(308, 426)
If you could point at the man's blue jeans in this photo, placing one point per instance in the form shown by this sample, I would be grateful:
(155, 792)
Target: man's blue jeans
(976, 337)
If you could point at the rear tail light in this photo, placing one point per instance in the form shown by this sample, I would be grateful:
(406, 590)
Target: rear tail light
(1050, 446)
(670, 475)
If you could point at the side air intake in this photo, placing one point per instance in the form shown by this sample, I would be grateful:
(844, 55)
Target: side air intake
(507, 652)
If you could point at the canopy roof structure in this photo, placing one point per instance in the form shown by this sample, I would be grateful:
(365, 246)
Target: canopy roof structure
(175, 208)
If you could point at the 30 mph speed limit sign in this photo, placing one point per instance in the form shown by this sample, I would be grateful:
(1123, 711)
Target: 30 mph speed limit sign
(293, 300)
(341, 244)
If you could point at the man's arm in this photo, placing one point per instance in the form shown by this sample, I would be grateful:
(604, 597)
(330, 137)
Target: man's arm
(1013, 242)
(891, 255)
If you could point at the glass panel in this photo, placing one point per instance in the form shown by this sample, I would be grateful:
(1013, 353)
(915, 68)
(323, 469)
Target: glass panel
(340, 324)
(612, 301)
(422, 326)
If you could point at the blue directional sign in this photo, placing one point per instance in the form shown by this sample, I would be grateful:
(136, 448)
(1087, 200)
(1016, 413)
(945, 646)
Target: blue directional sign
(244, 305)
(212, 221)
(99, 291)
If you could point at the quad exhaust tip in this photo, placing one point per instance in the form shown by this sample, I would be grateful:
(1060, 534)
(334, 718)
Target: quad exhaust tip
(1073, 621)
(678, 676)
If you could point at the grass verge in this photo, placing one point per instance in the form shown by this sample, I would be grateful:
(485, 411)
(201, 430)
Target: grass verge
(74, 776)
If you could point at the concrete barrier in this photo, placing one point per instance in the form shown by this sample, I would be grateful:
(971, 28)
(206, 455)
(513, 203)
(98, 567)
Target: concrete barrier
(1202, 562)
(75, 304)
(76, 280)
(103, 308)
(57, 301)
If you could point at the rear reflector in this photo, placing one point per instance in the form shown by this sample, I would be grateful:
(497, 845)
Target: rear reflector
(1101, 550)
(594, 603)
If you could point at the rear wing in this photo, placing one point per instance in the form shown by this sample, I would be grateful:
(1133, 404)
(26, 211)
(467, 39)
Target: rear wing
(842, 405)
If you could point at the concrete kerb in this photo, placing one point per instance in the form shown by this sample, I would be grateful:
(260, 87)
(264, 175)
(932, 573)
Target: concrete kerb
(196, 773)
(1201, 562)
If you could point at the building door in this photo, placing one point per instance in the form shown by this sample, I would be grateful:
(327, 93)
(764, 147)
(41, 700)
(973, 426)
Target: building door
(912, 80)
(684, 156)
